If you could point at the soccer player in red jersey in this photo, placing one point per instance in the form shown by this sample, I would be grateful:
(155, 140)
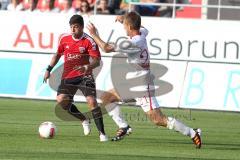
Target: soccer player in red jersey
(77, 49)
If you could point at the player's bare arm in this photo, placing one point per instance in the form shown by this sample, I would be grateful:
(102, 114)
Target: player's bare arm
(106, 47)
(95, 63)
(53, 62)
(85, 68)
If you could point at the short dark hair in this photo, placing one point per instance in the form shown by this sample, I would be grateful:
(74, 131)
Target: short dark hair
(133, 19)
(76, 19)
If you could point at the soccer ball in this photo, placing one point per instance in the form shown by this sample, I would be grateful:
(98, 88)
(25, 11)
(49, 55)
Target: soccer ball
(47, 130)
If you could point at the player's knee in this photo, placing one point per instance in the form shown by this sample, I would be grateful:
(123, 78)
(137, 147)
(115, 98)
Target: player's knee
(63, 101)
(108, 98)
(92, 103)
(104, 97)
(60, 99)
(91, 100)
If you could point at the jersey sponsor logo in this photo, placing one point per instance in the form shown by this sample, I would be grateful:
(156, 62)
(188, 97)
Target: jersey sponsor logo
(71, 56)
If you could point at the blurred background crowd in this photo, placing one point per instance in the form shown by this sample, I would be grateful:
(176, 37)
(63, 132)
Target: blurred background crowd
(88, 7)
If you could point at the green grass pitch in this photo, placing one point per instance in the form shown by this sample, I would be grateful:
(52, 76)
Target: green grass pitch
(19, 140)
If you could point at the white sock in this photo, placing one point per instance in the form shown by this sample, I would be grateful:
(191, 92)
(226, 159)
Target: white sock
(178, 126)
(114, 111)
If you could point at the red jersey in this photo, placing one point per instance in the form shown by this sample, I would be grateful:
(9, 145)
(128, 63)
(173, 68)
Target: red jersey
(77, 52)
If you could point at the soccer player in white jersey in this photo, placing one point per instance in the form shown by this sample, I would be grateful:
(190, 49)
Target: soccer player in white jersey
(137, 36)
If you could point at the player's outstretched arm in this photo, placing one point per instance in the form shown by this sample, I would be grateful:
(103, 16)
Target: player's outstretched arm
(103, 45)
(53, 62)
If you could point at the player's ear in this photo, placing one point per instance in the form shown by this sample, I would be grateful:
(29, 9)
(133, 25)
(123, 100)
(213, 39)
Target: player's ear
(81, 26)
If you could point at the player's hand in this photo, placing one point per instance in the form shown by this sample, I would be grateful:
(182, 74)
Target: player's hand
(92, 29)
(82, 69)
(119, 19)
(46, 76)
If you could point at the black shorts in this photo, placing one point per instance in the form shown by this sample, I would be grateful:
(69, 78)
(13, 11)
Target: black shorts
(84, 83)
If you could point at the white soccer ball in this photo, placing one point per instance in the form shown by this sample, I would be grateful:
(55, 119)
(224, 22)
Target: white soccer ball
(47, 130)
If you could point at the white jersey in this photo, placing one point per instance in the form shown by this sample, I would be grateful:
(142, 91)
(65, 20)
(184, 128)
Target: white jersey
(141, 55)
(136, 50)
(138, 57)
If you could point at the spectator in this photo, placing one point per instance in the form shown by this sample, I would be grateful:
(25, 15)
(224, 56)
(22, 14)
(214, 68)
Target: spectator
(147, 10)
(48, 6)
(168, 11)
(52, 8)
(102, 7)
(85, 8)
(25, 4)
(67, 7)
(77, 5)
(124, 6)
(182, 2)
(114, 6)
(33, 6)
(4, 4)
(165, 11)
(15, 5)
(91, 3)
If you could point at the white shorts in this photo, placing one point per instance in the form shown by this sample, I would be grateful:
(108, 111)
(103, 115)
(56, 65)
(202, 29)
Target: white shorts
(147, 103)
(146, 99)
